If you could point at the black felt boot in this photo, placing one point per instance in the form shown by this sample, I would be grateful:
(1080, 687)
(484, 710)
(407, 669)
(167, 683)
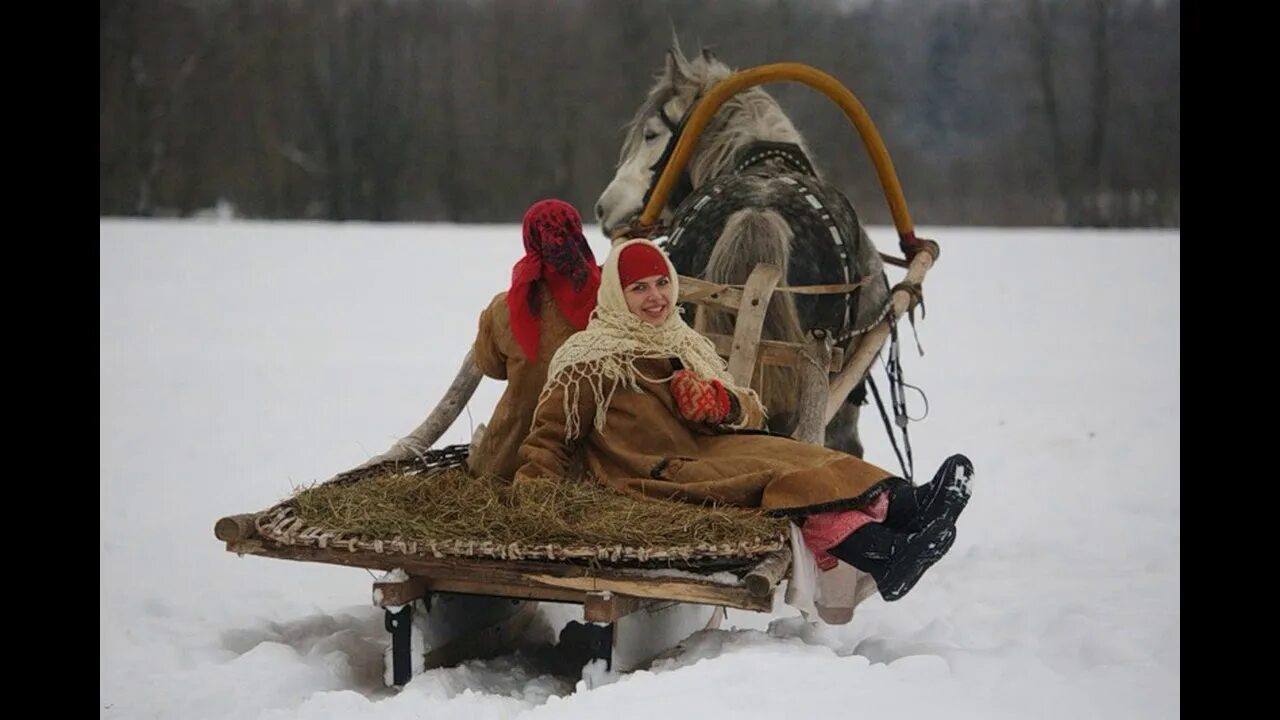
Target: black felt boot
(896, 560)
(911, 507)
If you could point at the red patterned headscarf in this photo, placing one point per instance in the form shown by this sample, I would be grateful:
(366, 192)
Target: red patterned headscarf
(557, 253)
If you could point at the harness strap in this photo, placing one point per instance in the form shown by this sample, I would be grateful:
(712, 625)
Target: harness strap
(888, 428)
(666, 120)
(762, 150)
(893, 371)
(917, 298)
(914, 290)
(684, 188)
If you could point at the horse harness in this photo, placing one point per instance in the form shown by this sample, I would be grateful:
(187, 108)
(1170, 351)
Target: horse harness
(775, 176)
(684, 185)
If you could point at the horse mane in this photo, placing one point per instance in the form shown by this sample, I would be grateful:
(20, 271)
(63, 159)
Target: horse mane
(748, 116)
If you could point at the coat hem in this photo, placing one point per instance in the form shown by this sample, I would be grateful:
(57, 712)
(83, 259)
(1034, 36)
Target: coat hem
(861, 500)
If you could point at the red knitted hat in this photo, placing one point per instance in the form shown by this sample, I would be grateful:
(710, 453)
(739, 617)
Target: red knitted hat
(640, 260)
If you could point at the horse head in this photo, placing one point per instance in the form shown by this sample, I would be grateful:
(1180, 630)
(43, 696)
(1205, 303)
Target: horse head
(651, 135)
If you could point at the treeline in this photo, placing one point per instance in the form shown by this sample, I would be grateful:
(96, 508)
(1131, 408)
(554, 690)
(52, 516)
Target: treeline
(995, 112)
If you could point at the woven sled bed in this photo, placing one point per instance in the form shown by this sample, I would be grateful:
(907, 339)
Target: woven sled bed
(446, 530)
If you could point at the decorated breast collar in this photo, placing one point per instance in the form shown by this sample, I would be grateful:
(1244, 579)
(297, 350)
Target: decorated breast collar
(762, 150)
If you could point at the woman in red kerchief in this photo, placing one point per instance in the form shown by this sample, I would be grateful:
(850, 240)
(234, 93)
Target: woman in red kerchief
(552, 293)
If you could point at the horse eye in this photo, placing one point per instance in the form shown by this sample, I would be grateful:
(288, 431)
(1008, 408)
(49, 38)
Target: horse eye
(649, 135)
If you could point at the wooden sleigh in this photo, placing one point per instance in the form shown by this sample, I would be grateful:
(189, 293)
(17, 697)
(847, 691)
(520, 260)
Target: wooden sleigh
(447, 604)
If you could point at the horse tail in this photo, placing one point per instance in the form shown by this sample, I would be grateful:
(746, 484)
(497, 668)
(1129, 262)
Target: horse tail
(752, 236)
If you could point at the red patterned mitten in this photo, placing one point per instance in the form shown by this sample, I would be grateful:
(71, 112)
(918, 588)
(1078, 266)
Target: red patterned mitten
(699, 400)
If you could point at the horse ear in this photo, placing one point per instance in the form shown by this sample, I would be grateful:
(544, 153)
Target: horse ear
(707, 55)
(677, 67)
(675, 42)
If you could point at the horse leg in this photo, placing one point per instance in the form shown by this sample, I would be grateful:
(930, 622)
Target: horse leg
(782, 423)
(842, 431)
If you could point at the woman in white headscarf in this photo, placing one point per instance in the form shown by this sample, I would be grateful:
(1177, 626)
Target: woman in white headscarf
(653, 411)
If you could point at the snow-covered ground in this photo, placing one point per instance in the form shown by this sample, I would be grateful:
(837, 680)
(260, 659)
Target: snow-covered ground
(240, 359)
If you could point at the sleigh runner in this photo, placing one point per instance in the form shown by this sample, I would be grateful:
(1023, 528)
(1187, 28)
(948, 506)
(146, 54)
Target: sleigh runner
(451, 598)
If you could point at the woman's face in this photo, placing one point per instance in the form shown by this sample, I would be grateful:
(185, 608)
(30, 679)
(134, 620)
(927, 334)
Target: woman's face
(649, 298)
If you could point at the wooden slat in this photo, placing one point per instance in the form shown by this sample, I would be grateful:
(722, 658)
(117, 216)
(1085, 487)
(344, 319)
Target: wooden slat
(776, 352)
(833, 289)
(712, 294)
(503, 587)
(729, 297)
(764, 577)
(661, 588)
(561, 582)
(398, 592)
(606, 606)
(746, 331)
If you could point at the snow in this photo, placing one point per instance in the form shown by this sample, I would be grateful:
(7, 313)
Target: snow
(720, 578)
(240, 360)
(394, 575)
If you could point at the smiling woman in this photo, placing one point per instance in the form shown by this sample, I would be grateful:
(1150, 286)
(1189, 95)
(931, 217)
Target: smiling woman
(653, 411)
(646, 283)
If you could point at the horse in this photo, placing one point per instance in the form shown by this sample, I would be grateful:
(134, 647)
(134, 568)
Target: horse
(751, 193)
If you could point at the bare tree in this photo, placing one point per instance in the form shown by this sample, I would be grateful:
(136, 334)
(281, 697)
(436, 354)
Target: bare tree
(1078, 167)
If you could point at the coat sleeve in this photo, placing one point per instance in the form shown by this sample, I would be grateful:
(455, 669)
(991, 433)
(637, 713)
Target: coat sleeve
(746, 412)
(545, 452)
(487, 350)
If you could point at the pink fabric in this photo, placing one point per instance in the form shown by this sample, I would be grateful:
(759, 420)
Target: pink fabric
(824, 531)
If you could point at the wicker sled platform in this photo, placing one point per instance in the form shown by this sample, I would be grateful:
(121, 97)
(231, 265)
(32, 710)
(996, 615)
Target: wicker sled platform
(608, 580)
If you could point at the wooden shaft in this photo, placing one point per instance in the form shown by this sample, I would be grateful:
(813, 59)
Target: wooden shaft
(764, 577)
(236, 527)
(439, 420)
(870, 344)
(811, 425)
